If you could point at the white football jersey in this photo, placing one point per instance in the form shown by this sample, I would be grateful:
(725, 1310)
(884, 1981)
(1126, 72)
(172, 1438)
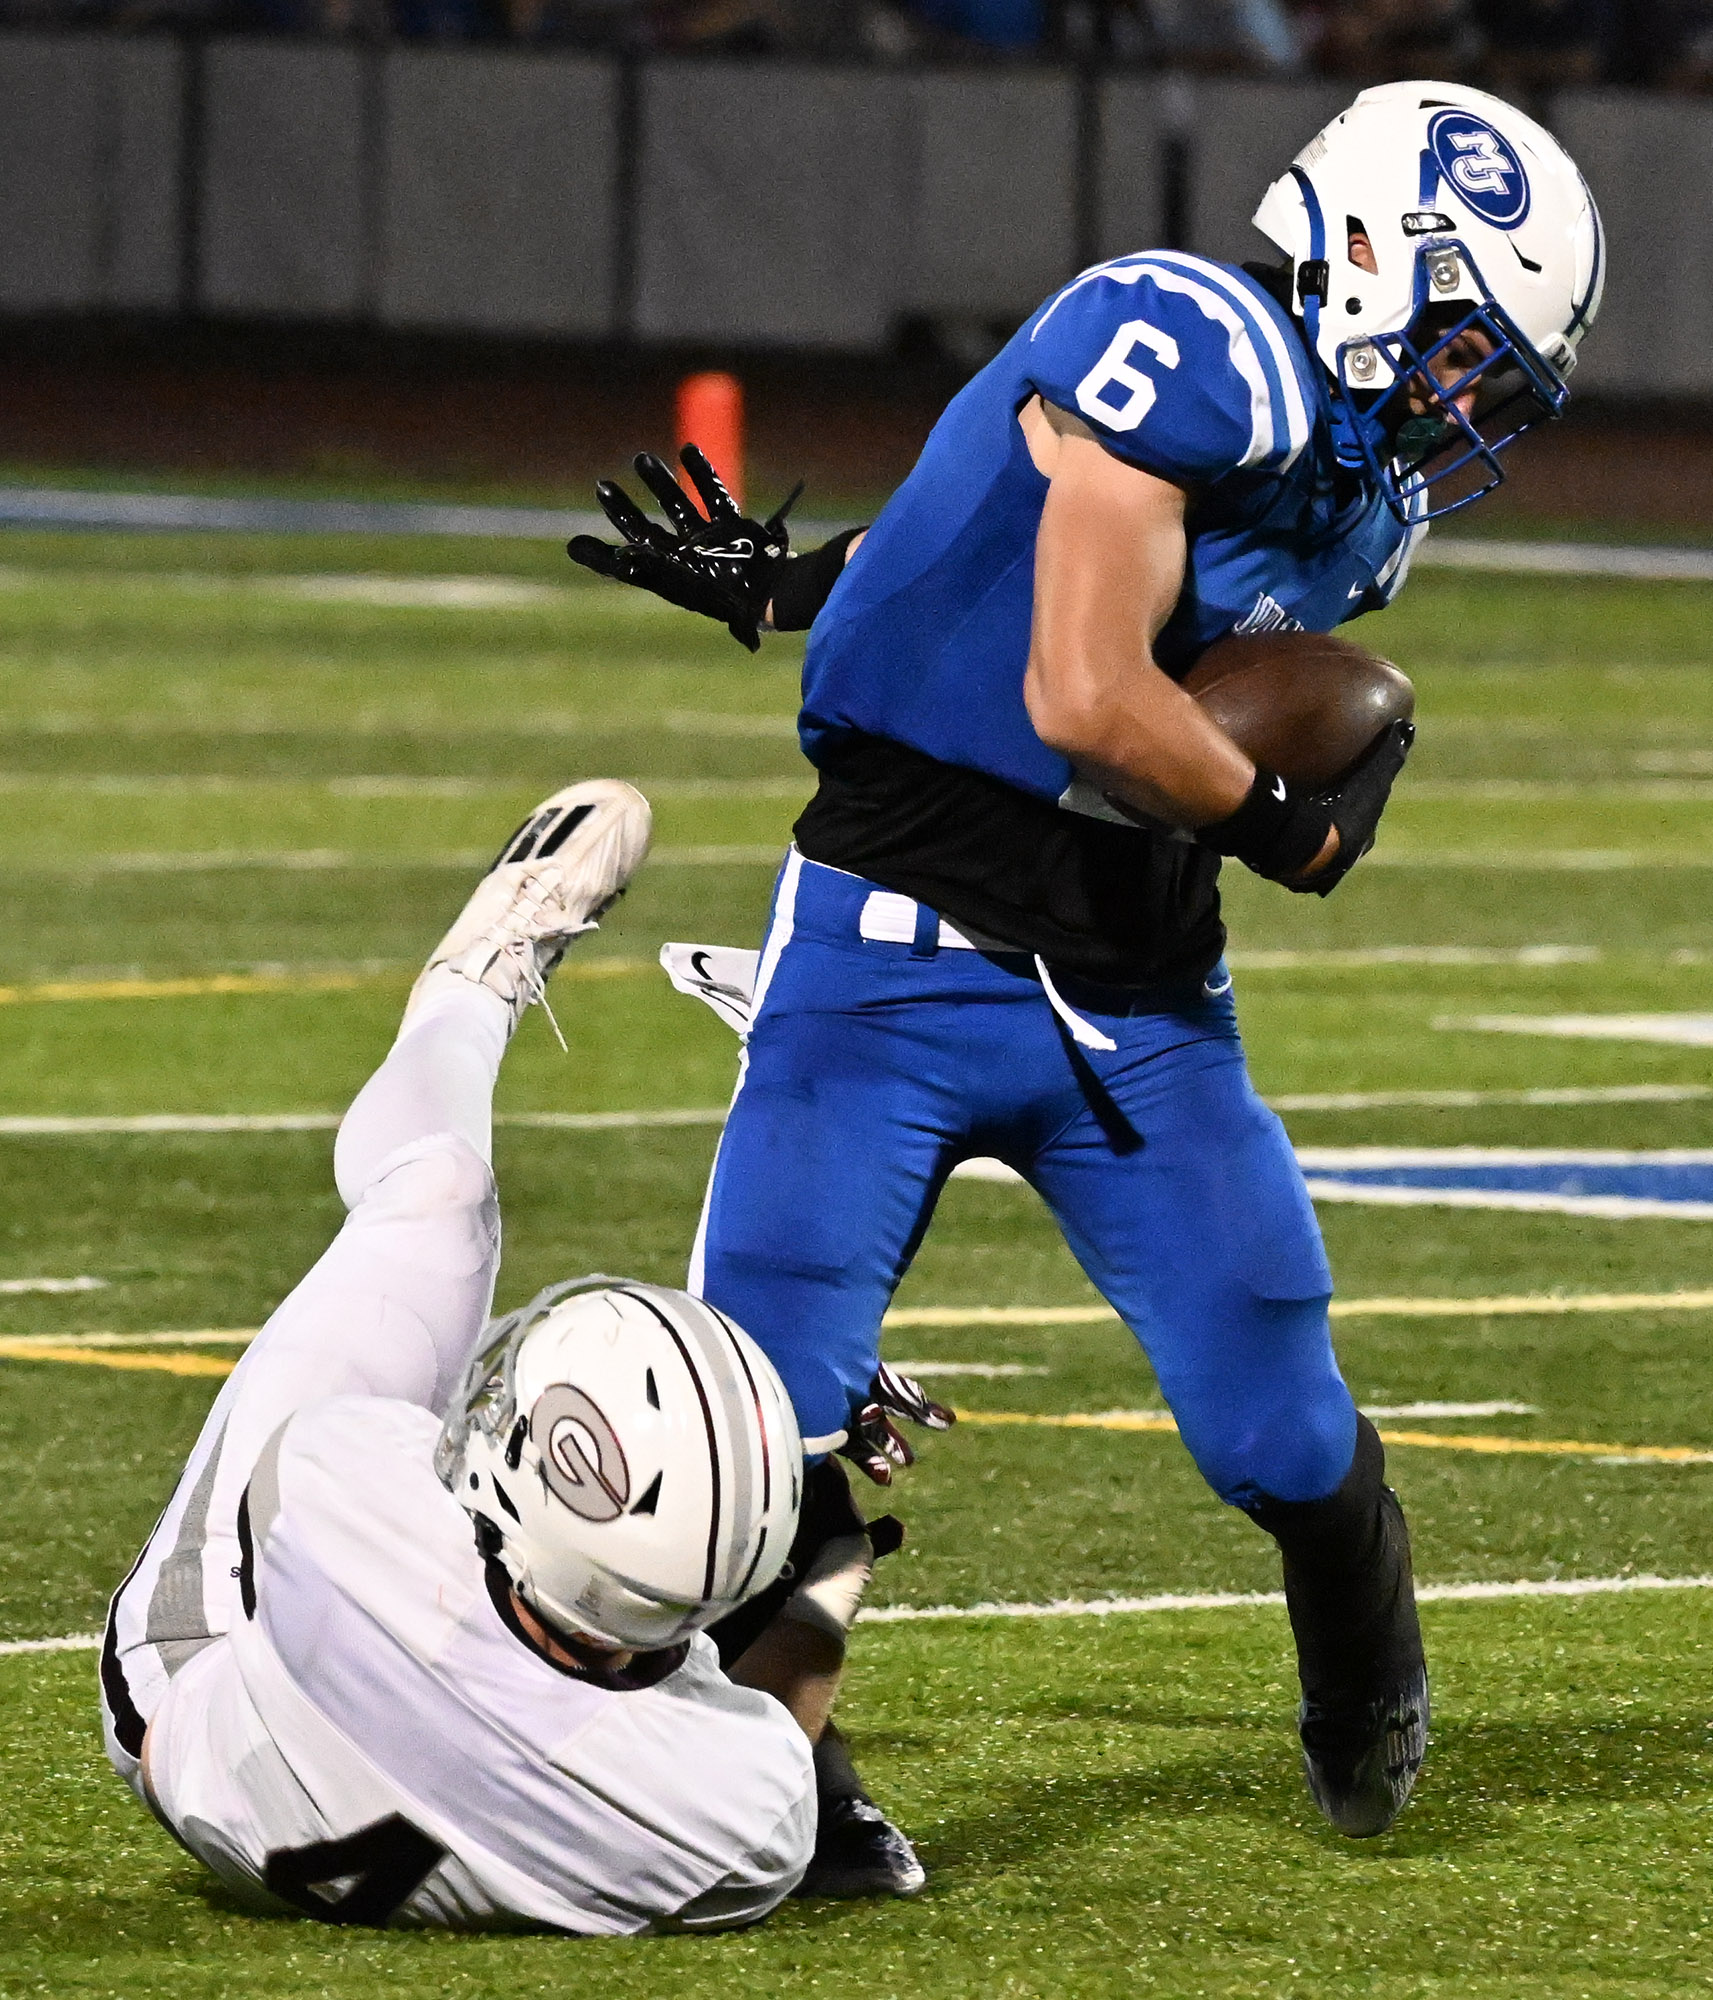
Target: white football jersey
(373, 1742)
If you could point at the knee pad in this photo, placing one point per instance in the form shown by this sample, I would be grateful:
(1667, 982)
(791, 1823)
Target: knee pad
(441, 1180)
(1275, 1418)
(1296, 1452)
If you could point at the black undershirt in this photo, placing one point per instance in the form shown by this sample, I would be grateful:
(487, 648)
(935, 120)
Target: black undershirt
(1112, 904)
(1118, 905)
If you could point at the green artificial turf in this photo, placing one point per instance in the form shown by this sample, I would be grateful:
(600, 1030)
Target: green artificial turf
(205, 771)
(1105, 1812)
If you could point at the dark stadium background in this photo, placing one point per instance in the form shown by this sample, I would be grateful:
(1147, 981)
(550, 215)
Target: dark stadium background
(473, 244)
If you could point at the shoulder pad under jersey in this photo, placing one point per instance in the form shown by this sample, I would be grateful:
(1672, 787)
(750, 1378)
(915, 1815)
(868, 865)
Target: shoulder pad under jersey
(1176, 363)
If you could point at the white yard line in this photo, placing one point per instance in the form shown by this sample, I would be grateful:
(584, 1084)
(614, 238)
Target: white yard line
(746, 854)
(987, 1370)
(169, 1122)
(1414, 954)
(1579, 791)
(1120, 1607)
(1512, 860)
(1431, 1593)
(415, 593)
(21, 1285)
(1351, 1159)
(1606, 1207)
(143, 1123)
(1454, 1100)
(1693, 1031)
(1584, 559)
(317, 860)
(380, 786)
(1451, 1409)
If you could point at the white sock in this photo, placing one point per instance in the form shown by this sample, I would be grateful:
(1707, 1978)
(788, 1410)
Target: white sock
(438, 1076)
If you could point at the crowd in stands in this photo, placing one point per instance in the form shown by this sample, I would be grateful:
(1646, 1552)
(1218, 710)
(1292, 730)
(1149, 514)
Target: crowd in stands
(1521, 48)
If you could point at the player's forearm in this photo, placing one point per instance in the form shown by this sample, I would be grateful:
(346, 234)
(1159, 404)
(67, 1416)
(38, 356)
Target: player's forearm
(1142, 739)
(1109, 565)
(1095, 695)
(799, 1665)
(799, 1656)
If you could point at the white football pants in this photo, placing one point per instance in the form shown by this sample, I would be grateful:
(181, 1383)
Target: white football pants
(393, 1308)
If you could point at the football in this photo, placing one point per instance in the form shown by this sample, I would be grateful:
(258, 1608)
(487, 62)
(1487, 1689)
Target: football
(1305, 704)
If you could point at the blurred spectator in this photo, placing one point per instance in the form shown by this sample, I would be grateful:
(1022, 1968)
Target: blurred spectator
(1523, 49)
(1256, 37)
(994, 24)
(1251, 35)
(1662, 45)
(1530, 47)
(1374, 41)
(1686, 61)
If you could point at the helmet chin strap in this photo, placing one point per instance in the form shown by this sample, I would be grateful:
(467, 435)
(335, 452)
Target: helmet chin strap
(1346, 422)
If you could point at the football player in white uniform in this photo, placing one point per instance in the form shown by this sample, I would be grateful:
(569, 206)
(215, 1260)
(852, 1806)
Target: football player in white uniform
(421, 1636)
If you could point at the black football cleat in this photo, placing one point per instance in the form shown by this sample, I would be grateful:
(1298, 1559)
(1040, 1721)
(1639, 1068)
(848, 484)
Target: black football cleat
(1352, 1604)
(1361, 1763)
(859, 1852)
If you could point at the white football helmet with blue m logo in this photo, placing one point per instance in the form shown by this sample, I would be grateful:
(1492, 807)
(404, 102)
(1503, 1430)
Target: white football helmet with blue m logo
(1479, 222)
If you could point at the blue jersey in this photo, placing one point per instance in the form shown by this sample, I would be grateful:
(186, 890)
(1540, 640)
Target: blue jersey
(1186, 368)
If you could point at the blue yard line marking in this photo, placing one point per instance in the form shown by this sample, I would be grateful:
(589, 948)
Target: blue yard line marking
(61, 507)
(1589, 1181)
(51, 507)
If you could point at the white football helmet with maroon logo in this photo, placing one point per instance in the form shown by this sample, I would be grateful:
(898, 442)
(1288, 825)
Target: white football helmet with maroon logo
(630, 1457)
(1479, 221)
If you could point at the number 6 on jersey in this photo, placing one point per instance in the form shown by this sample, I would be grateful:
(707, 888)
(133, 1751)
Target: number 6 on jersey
(1114, 368)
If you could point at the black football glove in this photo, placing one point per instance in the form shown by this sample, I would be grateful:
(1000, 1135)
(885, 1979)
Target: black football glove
(875, 1444)
(1279, 829)
(723, 565)
(1356, 803)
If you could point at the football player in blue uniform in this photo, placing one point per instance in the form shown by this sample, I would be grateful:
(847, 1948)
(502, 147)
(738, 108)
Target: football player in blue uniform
(974, 947)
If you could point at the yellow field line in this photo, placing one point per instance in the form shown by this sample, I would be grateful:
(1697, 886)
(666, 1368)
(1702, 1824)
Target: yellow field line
(167, 1364)
(207, 1336)
(998, 1315)
(98, 1350)
(197, 987)
(1077, 1420)
(1159, 1420)
(1522, 1304)
(182, 989)
(103, 1350)
(1655, 1454)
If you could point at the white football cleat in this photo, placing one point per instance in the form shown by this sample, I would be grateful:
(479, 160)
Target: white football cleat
(554, 878)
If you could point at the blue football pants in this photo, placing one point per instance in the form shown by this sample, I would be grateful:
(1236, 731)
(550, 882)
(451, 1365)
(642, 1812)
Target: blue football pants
(872, 1068)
